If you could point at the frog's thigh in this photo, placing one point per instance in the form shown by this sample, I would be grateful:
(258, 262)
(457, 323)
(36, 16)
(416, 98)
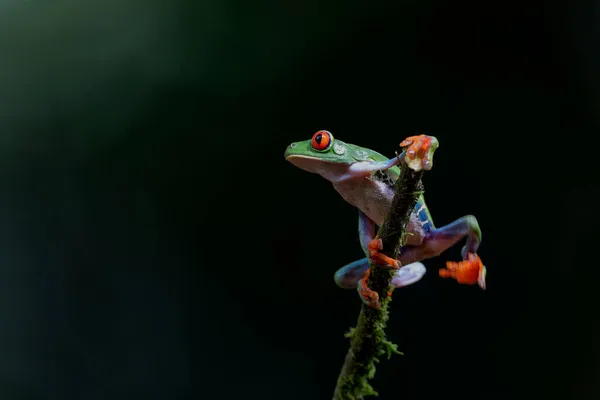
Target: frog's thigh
(438, 240)
(415, 234)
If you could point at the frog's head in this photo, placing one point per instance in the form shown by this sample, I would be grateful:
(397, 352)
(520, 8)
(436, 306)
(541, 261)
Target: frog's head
(324, 155)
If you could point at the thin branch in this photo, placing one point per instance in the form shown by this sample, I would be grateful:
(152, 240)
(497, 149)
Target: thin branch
(368, 341)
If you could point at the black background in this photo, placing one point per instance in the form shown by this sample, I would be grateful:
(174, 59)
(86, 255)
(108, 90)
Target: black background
(155, 244)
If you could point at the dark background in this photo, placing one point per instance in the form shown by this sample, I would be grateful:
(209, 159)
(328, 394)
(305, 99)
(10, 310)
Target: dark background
(155, 244)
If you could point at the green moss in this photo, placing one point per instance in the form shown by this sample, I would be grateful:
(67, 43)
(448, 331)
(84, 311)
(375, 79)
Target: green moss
(368, 341)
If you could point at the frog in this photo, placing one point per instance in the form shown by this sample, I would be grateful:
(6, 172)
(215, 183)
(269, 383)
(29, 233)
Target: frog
(365, 179)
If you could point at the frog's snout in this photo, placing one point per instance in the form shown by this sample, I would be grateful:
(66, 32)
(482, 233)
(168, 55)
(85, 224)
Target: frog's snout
(289, 150)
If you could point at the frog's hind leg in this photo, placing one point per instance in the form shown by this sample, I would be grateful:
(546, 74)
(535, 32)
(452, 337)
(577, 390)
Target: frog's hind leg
(349, 275)
(438, 240)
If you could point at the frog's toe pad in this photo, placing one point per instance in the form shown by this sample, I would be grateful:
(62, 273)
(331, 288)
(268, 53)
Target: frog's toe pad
(368, 296)
(408, 274)
(419, 154)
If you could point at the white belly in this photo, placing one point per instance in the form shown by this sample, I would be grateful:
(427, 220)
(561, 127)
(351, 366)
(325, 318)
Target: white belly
(371, 197)
(374, 198)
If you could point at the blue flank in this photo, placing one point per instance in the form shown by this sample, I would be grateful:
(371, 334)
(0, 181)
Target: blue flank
(424, 215)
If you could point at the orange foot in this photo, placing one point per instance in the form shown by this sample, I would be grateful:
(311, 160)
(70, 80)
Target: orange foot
(381, 259)
(420, 151)
(368, 296)
(467, 272)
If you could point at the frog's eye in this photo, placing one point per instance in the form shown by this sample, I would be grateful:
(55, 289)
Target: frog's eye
(322, 140)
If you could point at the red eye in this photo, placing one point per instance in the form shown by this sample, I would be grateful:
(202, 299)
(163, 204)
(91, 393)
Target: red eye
(321, 140)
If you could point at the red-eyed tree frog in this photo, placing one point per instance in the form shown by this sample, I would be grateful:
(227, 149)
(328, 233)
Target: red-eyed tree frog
(365, 179)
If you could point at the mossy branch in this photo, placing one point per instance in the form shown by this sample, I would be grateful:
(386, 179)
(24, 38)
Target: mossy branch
(368, 341)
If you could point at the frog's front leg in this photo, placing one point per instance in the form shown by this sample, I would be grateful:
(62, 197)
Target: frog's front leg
(365, 168)
(418, 155)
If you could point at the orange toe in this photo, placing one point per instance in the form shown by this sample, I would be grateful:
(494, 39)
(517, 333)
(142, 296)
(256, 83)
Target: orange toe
(369, 297)
(418, 145)
(468, 272)
(381, 259)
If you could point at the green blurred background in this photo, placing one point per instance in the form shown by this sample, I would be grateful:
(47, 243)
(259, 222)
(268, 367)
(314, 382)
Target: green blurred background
(155, 244)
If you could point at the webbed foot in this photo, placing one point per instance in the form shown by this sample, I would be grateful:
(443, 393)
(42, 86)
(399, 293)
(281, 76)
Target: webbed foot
(368, 296)
(468, 272)
(381, 259)
(419, 154)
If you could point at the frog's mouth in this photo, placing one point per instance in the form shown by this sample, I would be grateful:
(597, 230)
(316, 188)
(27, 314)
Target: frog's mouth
(307, 163)
(329, 170)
